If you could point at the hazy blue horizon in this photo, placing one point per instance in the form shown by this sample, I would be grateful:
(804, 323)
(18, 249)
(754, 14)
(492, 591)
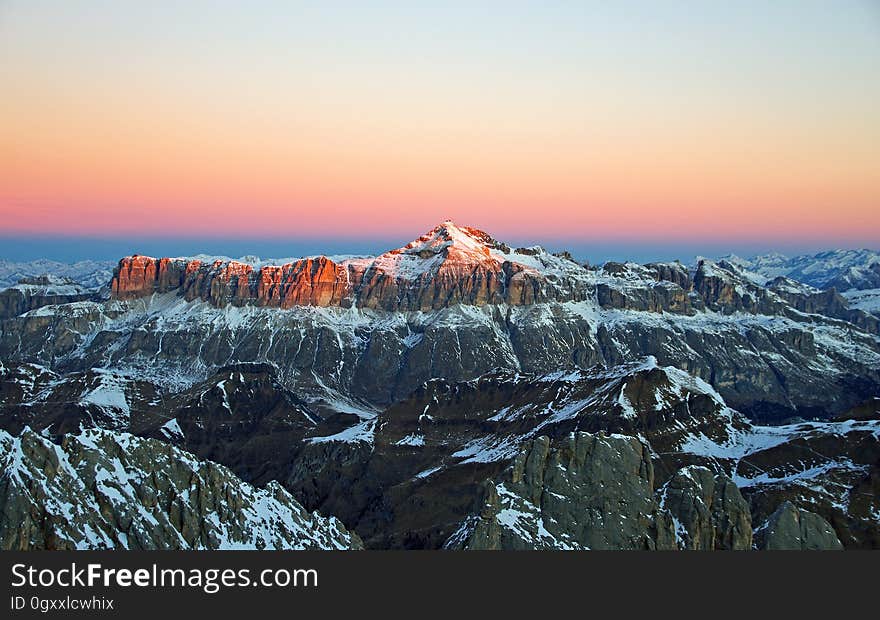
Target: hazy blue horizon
(70, 249)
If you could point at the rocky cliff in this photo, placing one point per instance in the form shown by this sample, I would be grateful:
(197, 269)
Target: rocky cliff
(448, 265)
(35, 292)
(791, 528)
(105, 490)
(597, 492)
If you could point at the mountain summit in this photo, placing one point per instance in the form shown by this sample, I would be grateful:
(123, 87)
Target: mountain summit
(450, 236)
(446, 251)
(450, 264)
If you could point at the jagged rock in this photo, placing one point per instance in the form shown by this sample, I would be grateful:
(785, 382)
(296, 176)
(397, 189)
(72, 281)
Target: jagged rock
(708, 510)
(793, 529)
(106, 490)
(455, 304)
(840, 269)
(448, 265)
(829, 302)
(724, 288)
(37, 291)
(584, 492)
(859, 277)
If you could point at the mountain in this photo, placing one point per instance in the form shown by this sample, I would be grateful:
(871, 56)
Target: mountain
(456, 304)
(448, 265)
(851, 276)
(105, 490)
(34, 292)
(91, 274)
(840, 269)
(411, 394)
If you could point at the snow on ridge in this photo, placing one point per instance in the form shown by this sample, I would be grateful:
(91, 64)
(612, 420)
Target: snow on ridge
(362, 432)
(488, 449)
(813, 269)
(108, 393)
(109, 475)
(867, 300)
(742, 443)
(91, 274)
(171, 429)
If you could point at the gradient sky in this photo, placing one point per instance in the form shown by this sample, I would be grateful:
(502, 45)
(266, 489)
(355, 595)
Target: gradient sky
(728, 124)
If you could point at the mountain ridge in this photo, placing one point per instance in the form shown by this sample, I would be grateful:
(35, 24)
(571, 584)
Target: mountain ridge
(399, 392)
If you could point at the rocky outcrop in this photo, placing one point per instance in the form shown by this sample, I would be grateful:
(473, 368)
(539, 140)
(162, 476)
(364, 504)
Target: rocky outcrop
(106, 490)
(708, 510)
(141, 276)
(793, 529)
(449, 265)
(674, 272)
(724, 288)
(827, 302)
(597, 492)
(586, 492)
(35, 292)
(859, 277)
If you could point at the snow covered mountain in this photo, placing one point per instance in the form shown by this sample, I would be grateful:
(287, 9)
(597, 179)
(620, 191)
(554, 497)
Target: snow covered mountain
(105, 490)
(841, 269)
(91, 274)
(396, 392)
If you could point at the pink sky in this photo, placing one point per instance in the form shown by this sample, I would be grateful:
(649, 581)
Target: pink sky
(113, 124)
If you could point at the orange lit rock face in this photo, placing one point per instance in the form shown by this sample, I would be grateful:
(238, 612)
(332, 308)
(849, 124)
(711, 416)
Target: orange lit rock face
(449, 265)
(138, 276)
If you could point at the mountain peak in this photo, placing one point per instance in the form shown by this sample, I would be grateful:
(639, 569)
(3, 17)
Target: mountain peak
(449, 235)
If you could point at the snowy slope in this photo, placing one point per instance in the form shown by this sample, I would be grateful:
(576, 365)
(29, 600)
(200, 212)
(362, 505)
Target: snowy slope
(111, 490)
(92, 274)
(817, 270)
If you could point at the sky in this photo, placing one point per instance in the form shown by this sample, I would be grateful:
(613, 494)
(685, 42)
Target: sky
(635, 129)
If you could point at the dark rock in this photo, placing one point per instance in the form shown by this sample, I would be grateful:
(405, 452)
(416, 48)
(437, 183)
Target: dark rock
(105, 490)
(793, 529)
(708, 510)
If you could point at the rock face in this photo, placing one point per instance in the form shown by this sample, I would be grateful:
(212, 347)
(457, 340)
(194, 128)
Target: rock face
(456, 304)
(139, 276)
(35, 292)
(793, 529)
(105, 490)
(708, 510)
(597, 492)
(586, 492)
(448, 265)
(724, 288)
(655, 287)
(827, 302)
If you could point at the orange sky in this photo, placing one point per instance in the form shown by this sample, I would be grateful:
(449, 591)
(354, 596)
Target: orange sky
(718, 126)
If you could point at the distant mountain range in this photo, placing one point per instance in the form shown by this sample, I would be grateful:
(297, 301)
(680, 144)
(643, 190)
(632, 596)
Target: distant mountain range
(89, 273)
(840, 269)
(452, 393)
